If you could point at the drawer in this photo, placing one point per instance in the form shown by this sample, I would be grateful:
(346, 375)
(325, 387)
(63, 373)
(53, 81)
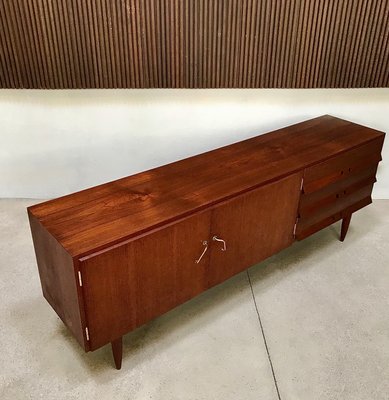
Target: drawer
(342, 166)
(302, 233)
(312, 202)
(356, 197)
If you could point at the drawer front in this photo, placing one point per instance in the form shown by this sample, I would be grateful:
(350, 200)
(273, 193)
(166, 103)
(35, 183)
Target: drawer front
(354, 198)
(312, 203)
(305, 231)
(335, 207)
(137, 281)
(341, 167)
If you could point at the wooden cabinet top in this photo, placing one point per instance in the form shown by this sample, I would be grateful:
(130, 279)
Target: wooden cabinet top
(95, 218)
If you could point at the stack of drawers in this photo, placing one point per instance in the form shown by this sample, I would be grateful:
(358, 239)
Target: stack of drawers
(335, 188)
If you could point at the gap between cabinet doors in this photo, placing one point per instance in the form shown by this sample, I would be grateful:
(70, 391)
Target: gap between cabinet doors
(251, 228)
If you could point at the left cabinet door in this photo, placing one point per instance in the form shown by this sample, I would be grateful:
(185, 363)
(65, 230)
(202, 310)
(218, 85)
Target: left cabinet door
(131, 283)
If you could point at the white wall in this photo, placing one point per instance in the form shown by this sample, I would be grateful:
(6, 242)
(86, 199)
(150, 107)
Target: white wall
(56, 142)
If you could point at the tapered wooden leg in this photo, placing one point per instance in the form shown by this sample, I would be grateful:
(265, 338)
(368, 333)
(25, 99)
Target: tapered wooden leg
(117, 351)
(345, 224)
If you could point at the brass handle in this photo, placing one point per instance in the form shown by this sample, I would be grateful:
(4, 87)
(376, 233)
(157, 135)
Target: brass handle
(216, 239)
(205, 243)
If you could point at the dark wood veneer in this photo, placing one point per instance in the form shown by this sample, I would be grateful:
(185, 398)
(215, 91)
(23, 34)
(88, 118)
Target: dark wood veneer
(117, 255)
(58, 279)
(242, 224)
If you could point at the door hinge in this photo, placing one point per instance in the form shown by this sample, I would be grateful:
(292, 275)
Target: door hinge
(79, 278)
(295, 227)
(87, 333)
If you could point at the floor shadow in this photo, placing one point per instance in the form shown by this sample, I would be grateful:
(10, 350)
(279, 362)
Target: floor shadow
(204, 308)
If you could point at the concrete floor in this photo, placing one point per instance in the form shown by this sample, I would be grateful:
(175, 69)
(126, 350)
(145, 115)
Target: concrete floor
(310, 323)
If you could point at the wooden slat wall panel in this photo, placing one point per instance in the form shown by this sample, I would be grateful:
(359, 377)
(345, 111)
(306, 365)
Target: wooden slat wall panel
(194, 43)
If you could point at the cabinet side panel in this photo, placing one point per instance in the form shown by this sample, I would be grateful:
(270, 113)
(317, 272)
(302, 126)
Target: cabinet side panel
(58, 278)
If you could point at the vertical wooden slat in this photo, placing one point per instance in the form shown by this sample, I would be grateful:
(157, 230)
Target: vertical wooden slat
(76, 42)
(251, 17)
(226, 43)
(382, 37)
(36, 44)
(315, 43)
(82, 35)
(17, 34)
(373, 43)
(7, 76)
(137, 42)
(106, 36)
(113, 44)
(123, 38)
(258, 42)
(10, 57)
(222, 15)
(244, 35)
(283, 50)
(321, 62)
(343, 43)
(268, 44)
(93, 44)
(57, 53)
(237, 26)
(186, 43)
(381, 73)
(204, 50)
(132, 71)
(96, 8)
(274, 25)
(63, 31)
(142, 41)
(149, 37)
(212, 24)
(47, 43)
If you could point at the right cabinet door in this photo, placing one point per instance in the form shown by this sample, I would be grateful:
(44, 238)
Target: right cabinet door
(253, 227)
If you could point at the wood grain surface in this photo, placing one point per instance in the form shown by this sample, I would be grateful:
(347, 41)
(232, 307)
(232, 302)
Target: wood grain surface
(194, 43)
(95, 218)
(128, 286)
(59, 280)
(254, 226)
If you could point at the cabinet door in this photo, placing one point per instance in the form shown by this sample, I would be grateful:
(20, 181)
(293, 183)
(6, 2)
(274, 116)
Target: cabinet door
(254, 226)
(130, 284)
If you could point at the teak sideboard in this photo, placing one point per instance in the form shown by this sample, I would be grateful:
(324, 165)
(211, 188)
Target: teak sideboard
(115, 256)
